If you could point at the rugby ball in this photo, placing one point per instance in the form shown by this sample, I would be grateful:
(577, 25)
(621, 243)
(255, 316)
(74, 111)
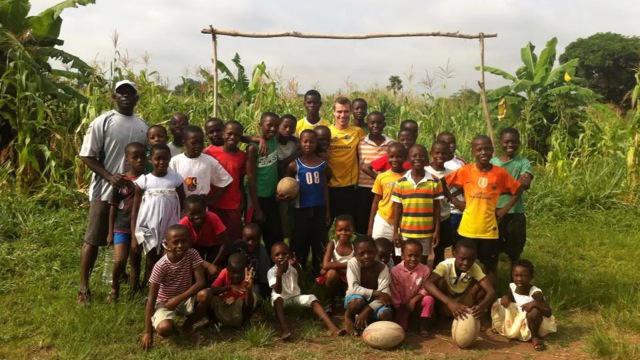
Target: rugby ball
(465, 331)
(383, 335)
(288, 187)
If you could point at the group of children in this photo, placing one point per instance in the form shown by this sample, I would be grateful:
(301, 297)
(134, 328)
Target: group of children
(198, 215)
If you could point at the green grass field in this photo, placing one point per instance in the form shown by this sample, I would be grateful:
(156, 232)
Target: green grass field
(585, 264)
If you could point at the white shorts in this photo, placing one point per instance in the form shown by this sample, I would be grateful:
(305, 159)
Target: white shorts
(185, 308)
(381, 228)
(302, 300)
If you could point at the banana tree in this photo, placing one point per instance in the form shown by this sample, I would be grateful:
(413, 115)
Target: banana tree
(32, 91)
(540, 96)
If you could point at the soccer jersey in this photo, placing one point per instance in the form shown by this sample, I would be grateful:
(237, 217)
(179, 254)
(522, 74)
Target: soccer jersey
(517, 167)
(235, 164)
(417, 201)
(458, 283)
(481, 192)
(370, 151)
(343, 155)
(267, 171)
(383, 186)
(304, 124)
(312, 182)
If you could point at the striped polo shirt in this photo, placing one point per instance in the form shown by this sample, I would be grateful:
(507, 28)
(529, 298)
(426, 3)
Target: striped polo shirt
(417, 201)
(174, 278)
(368, 152)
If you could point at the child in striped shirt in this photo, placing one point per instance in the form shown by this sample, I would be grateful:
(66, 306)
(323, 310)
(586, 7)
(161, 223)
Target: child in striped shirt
(416, 211)
(172, 289)
(370, 148)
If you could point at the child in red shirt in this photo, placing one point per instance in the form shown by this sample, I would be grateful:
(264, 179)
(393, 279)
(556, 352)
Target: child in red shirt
(231, 296)
(233, 160)
(208, 233)
(381, 164)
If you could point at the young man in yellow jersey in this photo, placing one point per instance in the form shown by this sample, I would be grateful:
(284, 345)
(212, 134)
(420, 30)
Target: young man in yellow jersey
(343, 160)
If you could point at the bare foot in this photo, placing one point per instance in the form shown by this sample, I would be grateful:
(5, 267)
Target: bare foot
(286, 335)
(348, 326)
(84, 296)
(113, 296)
(339, 332)
(538, 344)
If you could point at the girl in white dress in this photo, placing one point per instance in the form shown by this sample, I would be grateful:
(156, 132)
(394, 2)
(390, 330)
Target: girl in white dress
(156, 206)
(523, 313)
(333, 274)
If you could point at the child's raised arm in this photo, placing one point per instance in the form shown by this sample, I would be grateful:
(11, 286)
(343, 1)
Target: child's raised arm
(147, 337)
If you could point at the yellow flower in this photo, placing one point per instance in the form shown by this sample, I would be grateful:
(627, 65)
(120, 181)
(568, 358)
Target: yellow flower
(567, 77)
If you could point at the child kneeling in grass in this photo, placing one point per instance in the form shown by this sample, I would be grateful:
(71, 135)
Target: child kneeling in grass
(172, 289)
(285, 290)
(410, 299)
(368, 294)
(231, 296)
(523, 313)
(460, 284)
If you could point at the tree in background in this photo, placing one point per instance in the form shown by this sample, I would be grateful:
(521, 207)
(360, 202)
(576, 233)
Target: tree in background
(541, 96)
(39, 104)
(607, 63)
(395, 83)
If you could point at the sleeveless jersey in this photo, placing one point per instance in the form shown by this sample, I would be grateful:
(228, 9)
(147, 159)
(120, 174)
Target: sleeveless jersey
(311, 180)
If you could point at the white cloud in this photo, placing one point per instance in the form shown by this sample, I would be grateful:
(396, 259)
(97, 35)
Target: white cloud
(170, 32)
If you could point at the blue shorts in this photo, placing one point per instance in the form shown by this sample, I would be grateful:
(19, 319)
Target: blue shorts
(121, 238)
(376, 314)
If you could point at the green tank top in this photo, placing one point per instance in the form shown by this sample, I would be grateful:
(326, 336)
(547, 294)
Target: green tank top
(267, 171)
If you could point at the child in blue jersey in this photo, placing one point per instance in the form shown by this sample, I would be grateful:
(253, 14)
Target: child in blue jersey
(311, 213)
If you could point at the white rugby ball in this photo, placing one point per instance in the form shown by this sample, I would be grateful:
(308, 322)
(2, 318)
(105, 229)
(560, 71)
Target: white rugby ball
(383, 335)
(465, 331)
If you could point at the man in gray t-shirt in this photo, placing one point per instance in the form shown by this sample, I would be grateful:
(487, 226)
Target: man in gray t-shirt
(103, 152)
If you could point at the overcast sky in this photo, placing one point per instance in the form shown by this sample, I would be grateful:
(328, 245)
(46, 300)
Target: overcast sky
(169, 31)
